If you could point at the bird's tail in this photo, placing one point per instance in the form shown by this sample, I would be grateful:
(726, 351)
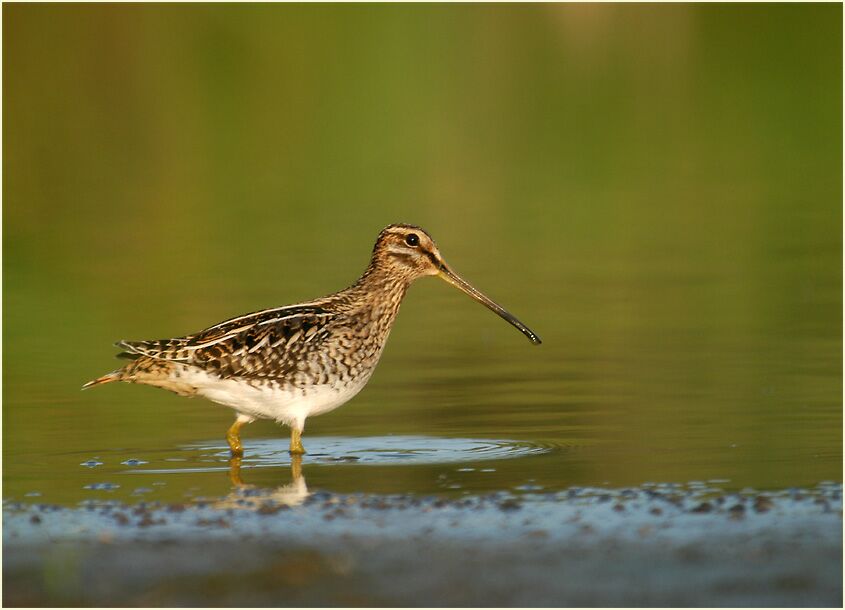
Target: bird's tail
(107, 378)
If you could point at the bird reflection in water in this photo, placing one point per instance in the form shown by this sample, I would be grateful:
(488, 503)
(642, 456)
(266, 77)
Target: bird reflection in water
(248, 496)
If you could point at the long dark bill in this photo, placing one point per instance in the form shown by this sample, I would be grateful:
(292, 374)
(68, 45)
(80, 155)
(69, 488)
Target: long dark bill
(457, 281)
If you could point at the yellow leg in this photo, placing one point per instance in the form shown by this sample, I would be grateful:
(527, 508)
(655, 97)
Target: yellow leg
(296, 447)
(233, 435)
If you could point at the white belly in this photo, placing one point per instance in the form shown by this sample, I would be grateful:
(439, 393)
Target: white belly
(290, 406)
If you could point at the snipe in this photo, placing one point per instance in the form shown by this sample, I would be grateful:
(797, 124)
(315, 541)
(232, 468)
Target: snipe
(292, 362)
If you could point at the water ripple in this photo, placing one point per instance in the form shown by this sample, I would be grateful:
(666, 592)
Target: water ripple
(372, 450)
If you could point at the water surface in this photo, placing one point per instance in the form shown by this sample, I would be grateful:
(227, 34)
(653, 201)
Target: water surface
(666, 216)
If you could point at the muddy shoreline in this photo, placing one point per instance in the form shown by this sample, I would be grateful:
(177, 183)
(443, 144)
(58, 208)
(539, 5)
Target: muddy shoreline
(654, 546)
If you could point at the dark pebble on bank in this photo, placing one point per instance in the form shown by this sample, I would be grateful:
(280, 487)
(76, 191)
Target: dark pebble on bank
(509, 504)
(763, 504)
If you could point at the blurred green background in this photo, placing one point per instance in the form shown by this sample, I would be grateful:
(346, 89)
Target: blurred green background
(655, 189)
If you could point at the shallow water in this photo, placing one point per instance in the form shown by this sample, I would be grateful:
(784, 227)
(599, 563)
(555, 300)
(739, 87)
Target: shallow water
(683, 271)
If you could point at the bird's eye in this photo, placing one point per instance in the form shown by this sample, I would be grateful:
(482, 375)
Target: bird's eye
(412, 239)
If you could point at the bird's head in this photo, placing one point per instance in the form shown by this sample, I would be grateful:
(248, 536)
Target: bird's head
(407, 252)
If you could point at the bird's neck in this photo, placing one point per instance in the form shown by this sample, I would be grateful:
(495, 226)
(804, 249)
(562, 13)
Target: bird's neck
(382, 283)
(379, 290)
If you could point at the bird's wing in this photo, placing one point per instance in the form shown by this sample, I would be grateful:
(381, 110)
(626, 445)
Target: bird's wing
(254, 345)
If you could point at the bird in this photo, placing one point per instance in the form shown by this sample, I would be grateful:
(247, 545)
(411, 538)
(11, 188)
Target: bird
(297, 361)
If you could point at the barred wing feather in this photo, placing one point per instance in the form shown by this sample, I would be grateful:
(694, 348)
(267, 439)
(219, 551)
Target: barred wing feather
(262, 344)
